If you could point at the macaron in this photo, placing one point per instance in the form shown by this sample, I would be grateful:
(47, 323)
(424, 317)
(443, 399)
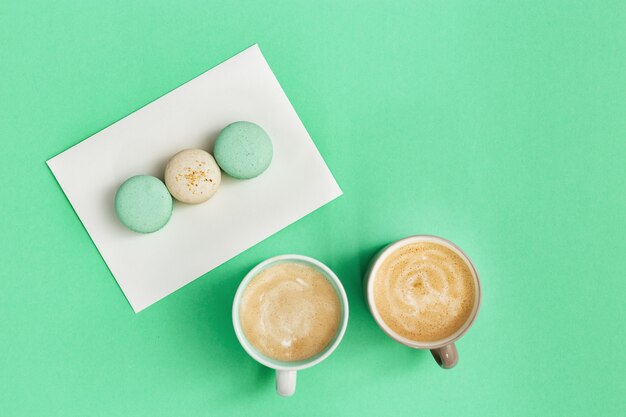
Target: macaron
(192, 176)
(143, 204)
(243, 150)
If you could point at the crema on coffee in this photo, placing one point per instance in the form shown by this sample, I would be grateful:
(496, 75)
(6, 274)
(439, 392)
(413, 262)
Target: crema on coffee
(290, 312)
(424, 291)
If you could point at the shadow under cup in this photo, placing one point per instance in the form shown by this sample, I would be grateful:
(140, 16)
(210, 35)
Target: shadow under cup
(443, 350)
(286, 370)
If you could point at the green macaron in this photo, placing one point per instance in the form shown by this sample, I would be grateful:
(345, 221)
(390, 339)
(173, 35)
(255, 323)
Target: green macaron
(243, 150)
(143, 204)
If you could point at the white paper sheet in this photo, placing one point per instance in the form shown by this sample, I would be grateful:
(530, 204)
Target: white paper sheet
(242, 213)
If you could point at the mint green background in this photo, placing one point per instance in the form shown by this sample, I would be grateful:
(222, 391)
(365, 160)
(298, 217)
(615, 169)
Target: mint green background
(500, 125)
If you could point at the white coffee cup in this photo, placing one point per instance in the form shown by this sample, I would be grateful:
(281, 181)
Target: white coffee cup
(286, 371)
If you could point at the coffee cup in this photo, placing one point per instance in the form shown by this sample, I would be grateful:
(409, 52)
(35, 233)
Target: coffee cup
(424, 292)
(290, 313)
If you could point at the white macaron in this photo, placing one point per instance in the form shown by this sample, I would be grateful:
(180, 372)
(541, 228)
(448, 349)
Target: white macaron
(192, 176)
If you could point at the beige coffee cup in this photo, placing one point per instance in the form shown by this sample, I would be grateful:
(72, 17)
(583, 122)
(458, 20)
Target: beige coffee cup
(443, 349)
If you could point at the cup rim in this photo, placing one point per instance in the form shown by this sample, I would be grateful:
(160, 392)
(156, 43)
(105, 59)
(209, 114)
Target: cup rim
(380, 258)
(280, 365)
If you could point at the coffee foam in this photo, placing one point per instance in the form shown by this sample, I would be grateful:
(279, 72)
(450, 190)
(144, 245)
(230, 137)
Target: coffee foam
(424, 291)
(290, 312)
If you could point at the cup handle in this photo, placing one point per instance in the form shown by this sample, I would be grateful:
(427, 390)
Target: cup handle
(446, 356)
(285, 383)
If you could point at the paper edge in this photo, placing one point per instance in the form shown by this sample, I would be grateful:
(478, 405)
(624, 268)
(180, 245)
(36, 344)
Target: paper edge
(82, 223)
(305, 129)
